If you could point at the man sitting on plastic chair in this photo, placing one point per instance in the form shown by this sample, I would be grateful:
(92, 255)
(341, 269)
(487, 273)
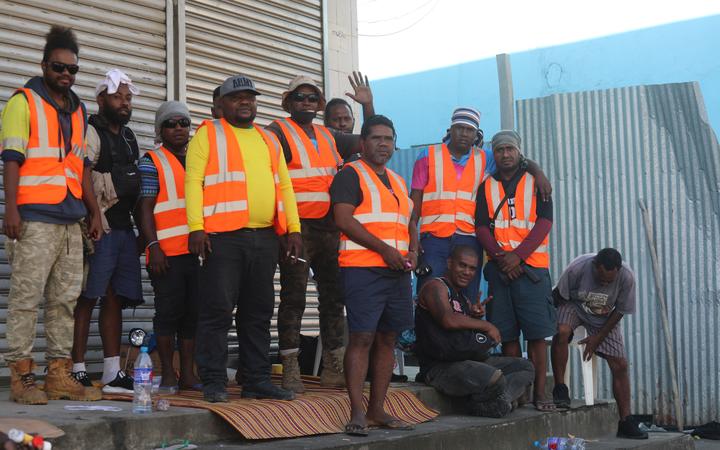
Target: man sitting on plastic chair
(596, 291)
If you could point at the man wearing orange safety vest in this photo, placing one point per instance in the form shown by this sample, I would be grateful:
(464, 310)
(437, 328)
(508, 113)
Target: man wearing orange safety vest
(513, 223)
(239, 200)
(444, 189)
(163, 221)
(378, 250)
(313, 154)
(48, 191)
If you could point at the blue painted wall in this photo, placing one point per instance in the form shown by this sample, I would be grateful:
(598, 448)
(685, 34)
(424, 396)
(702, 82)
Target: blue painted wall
(420, 104)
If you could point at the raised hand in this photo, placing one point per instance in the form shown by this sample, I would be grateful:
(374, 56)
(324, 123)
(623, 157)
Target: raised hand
(361, 86)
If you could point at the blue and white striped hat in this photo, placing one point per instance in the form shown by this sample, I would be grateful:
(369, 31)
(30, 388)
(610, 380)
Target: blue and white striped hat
(466, 116)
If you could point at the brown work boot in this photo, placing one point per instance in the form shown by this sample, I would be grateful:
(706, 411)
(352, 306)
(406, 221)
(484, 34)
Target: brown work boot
(61, 385)
(332, 374)
(22, 383)
(291, 373)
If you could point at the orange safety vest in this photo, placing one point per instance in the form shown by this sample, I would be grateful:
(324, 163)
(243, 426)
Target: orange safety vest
(225, 200)
(311, 170)
(509, 233)
(448, 204)
(382, 214)
(48, 173)
(170, 217)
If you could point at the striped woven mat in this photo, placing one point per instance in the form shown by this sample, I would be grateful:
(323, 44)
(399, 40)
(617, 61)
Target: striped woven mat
(319, 411)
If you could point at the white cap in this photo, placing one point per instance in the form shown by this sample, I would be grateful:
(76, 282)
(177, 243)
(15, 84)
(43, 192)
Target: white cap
(112, 81)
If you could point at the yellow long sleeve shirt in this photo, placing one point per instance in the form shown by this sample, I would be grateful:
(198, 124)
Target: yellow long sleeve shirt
(258, 175)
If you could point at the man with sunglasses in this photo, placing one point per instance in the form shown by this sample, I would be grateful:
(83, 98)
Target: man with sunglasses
(239, 200)
(48, 191)
(313, 154)
(173, 270)
(113, 268)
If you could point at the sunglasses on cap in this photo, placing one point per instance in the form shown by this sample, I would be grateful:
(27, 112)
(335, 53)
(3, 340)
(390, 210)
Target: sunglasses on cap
(60, 67)
(299, 97)
(172, 123)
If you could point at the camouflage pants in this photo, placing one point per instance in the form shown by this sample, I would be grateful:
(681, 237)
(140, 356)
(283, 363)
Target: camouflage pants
(320, 249)
(46, 261)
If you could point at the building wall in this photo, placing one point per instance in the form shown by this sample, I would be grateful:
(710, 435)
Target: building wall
(421, 103)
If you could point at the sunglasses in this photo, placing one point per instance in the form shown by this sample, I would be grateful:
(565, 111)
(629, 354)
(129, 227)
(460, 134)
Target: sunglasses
(299, 97)
(172, 123)
(60, 67)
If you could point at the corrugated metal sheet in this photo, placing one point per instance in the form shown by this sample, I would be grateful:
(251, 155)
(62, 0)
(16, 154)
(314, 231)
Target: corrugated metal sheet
(270, 41)
(126, 34)
(604, 150)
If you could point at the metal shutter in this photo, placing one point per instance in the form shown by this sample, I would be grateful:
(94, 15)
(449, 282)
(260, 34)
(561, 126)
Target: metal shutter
(130, 35)
(271, 41)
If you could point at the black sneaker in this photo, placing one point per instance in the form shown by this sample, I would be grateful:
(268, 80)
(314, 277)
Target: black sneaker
(266, 389)
(122, 384)
(82, 378)
(561, 396)
(216, 397)
(628, 429)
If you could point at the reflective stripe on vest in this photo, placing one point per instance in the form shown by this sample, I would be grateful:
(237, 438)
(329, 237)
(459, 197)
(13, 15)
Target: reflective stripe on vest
(48, 172)
(383, 215)
(448, 204)
(510, 232)
(169, 212)
(225, 205)
(311, 170)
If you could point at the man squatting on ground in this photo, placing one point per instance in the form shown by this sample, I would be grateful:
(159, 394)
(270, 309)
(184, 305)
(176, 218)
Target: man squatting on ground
(595, 292)
(313, 154)
(378, 249)
(453, 343)
(113, 266)
(48, 190)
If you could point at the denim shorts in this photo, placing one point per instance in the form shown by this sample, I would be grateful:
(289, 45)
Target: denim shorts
(377, 299)
(115, 263)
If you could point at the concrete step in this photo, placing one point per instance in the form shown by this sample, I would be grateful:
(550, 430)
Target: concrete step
(655, 441)
(123, 430)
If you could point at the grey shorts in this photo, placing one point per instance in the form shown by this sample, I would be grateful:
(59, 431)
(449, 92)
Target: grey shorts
(521, 305)
(613, 344)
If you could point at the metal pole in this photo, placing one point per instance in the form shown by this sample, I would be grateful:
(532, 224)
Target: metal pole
(507, 101)
(663, 314)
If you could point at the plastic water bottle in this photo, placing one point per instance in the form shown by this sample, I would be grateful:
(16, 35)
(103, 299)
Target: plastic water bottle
(142, 377)
(560, 443)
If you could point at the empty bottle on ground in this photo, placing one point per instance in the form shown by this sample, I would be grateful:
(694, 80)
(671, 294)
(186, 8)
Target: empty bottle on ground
(560, 443)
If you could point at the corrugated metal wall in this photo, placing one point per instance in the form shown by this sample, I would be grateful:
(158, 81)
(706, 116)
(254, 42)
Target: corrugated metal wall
(270, 41)
(605, 150)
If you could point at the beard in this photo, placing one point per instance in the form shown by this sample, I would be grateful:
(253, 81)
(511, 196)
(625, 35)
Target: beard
(54, 86)
(115, 117)
(303, 116)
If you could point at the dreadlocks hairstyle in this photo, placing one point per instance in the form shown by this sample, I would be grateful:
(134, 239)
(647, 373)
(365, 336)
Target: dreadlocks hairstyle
(59, 37)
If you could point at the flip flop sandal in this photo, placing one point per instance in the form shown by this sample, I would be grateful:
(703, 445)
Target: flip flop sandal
(545, 406)
(395, 424)
(561, 396)
(353, 429)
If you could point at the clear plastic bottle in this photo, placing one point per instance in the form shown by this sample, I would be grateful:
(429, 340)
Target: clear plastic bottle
(142, 377)
(560, 443)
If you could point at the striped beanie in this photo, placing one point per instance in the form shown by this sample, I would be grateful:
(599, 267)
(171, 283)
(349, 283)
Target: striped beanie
(466, 116)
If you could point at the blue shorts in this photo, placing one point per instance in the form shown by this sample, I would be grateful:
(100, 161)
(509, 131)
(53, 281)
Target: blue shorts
(377, 299)
(521, 305)
(115, 263)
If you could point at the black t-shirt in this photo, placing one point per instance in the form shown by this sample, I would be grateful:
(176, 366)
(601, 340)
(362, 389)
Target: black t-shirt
(544, 210)
(345, 187)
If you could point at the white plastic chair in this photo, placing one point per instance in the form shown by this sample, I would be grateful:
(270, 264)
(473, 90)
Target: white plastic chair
(589, 368)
